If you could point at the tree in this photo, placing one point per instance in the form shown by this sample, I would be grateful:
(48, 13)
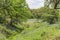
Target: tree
(13, 12)
(53, 3)
(46, 14)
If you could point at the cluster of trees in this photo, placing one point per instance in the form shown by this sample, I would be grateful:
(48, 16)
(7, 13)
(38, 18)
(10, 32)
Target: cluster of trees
(46, 14)
(49, 12)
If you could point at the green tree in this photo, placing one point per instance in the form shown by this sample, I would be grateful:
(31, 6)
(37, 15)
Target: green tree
(46, 14)
(54, 3)
(13, 12)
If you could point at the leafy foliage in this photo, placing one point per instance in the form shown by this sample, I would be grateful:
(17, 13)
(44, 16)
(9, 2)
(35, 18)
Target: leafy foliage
(12, 13)
(14, 24)
(46, 14)
(52, 3)
(44, 31)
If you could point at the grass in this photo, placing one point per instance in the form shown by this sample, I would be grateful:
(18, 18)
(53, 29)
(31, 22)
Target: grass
(38, 31)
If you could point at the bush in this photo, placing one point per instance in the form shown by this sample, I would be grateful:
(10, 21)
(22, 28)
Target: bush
(50, 15)
(46, 14)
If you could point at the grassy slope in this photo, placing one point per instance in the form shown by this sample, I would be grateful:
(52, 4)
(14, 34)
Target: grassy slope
(39, 31)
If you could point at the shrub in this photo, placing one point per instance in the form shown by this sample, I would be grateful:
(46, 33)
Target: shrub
(46, 14)
(49, 15)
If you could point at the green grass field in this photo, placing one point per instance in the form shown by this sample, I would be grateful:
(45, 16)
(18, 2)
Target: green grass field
(38, 31)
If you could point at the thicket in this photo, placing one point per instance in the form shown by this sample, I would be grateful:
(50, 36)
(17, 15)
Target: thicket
(46, 14)
(12, 13)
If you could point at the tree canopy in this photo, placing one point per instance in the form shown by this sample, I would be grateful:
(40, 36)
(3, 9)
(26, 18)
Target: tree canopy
(13, 12)
(54, 3)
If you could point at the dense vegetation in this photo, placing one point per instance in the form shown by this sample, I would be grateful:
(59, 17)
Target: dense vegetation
(12, 12)
(39, 31)
(18, 22)
(46, 14)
